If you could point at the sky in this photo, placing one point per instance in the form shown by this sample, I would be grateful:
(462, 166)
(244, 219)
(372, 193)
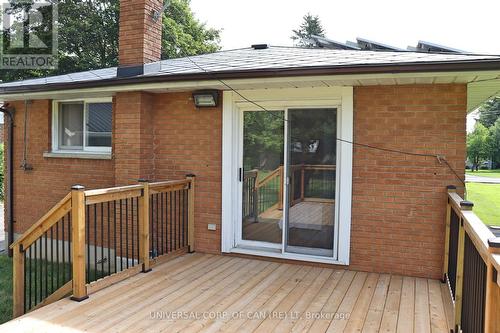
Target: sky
(467, 25)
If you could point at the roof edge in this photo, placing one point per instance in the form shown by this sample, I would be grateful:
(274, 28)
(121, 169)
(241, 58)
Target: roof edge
(416, 67)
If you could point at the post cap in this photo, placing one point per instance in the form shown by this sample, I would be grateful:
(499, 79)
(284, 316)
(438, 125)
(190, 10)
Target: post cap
(466, 205)
(191, 175)
(494, 242)
(142, 180)
(78, 187)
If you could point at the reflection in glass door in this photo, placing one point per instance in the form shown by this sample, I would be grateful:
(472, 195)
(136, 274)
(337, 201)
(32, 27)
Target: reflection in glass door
(311, 171)
(262, 176)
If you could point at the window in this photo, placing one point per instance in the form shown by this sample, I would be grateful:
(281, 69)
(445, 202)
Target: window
(82, 126)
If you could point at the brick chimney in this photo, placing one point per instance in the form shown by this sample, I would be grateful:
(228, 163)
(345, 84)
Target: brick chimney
(140, 35)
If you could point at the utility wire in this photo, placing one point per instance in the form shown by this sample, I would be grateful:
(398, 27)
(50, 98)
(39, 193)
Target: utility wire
(441, 159)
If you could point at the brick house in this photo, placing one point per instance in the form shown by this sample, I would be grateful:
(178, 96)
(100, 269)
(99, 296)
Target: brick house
(311, 155)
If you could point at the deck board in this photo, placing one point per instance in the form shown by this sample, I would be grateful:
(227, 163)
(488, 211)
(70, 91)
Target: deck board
(230, 294)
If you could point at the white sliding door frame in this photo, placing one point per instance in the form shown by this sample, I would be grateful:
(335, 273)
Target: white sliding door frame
(340, 98)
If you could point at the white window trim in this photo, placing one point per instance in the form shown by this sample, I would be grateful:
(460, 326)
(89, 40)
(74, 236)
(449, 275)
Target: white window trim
(86, 150)
(287, 98)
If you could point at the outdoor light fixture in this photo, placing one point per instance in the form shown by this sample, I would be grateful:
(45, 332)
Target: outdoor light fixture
(206, 98)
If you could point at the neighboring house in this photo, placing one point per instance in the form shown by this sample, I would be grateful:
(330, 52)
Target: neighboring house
(307, 179)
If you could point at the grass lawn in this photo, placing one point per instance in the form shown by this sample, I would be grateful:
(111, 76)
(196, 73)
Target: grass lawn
(5, 288)
(486, 199)
(485, 173)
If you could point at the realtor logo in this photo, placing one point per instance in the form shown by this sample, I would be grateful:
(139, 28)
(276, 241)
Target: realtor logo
(29, 34)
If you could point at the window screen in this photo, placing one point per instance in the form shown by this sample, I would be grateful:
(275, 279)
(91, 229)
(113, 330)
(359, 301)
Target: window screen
(99, 124)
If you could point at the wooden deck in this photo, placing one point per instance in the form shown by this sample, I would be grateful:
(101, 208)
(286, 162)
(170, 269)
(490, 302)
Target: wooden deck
(209, 293)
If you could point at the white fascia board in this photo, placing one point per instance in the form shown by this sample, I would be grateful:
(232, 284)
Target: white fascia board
(235, 83)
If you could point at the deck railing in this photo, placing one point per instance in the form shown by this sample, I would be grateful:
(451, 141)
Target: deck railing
(307, 183)
(92, 239)
(471, 265)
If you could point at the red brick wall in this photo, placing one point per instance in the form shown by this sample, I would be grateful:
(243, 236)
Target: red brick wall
(189, 140)
(399, 201)
(133, 137)
(140, 35)
(36, 191)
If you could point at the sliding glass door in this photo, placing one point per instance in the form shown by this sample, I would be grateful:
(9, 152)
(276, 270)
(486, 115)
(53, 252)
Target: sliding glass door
(262, 177)
(311, 171)
(288, 180)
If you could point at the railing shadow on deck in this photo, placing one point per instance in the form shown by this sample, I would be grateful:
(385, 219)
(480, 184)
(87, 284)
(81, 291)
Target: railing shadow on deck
(92, 239)
(471, 266)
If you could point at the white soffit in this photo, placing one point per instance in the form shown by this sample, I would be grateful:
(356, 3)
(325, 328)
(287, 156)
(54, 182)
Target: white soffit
(482, 85)
(480, 91)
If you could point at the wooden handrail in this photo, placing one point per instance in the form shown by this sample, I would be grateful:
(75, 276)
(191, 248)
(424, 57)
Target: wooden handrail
(275, 173)
(76, 202)
(44, 223)
(481, 237)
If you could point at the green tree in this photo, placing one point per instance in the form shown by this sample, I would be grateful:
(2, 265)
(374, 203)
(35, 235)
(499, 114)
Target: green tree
(489, 112)
(495, 142)
(310, 26)
(478, 146)
(88, 36)
(263, 140)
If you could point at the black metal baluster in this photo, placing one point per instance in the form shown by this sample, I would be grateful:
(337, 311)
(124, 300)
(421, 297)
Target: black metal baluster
(170, 220)
(151, 238)
(179, 224)
(69, 247)
(132, 222)
(87, 236)
(153, 224)
(30, 278)
(186, 207)
(52, 259)
(121, 235)
(183, 222)
(95, 242)
(114, 233)
(109, 242)
(179, 216)
(174, 221)
(25, 279)
(36, 269)
(63, 234)
(126, 229)
(157, 225)
(162, 227)
(57, 255)
(46, 261)
(102, 239)
(137, 224)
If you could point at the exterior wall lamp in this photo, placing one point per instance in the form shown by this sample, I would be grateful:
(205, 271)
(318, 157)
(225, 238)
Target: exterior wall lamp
(206, 98)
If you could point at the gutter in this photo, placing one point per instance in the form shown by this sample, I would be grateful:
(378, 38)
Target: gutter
(9, 112)
(472, 65)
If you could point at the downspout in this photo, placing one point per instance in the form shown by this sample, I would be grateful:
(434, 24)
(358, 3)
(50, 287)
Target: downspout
(9, 112)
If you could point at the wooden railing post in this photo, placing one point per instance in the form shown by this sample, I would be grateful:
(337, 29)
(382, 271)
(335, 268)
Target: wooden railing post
(78, 243)
(18, 281)
(464, 205)
(144, 227)
(191, 202)
(451, 189)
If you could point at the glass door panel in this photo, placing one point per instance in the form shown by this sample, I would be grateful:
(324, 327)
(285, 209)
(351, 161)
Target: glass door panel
(262, 176)
(311, 171)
